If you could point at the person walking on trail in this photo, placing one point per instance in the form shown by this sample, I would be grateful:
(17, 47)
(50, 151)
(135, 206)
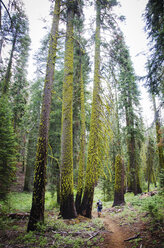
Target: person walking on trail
(99, 208)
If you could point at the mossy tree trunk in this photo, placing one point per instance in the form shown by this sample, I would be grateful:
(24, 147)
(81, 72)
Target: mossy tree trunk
(67, 205)
(93, 149)
(119, 182)
(82, 148)
(38, 200)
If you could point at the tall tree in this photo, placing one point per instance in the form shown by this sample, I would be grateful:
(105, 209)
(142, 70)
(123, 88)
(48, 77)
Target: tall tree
(20, 43)
(158, 135)
(38, 200)
(97, 147)
(82, 147)
(129, 105)
(130, 98)
(67, 206)
(7, 147)
(93, 149)
(154, 15)
(33, 116)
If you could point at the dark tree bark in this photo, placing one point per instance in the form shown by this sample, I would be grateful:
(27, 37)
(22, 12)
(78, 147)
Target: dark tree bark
(119, 182)
(38, 200)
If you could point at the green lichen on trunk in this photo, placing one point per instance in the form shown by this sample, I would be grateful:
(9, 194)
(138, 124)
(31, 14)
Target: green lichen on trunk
(82, 148)
(67, 207)
(38, 200)
(119, 182)
(93, 160)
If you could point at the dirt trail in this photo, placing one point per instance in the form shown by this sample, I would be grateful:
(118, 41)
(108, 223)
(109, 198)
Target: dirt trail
(116, 234)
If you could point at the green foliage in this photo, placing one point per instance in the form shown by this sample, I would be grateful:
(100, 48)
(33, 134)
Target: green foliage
(155, 28)
(154, 206)
(7, 147)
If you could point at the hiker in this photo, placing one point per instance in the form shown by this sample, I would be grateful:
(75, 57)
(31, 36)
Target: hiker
(99, 208)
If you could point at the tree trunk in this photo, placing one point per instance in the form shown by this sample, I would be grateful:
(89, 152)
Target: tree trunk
(37, 210)
(67, 206)
(93, 149)
(158, 136)
(119, 182)
(6, 80)
(82, 149)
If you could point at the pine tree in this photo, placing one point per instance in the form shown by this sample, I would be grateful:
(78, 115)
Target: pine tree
(154, 16)
(7, 147)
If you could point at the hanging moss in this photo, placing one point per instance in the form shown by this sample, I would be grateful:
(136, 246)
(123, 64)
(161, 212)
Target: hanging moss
(82, 148)
(93, 160)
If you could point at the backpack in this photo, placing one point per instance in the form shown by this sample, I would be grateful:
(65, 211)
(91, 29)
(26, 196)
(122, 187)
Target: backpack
(100, 205)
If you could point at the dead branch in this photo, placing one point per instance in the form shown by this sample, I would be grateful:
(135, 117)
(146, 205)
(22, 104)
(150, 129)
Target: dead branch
(134, 237)
(95, 234)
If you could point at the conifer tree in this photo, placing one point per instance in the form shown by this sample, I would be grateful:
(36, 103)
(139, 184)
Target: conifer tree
(7, 147)
(98, 137)
(67, 206)
(82, 147)
(154, 17)
(38, 200)
(158, 135)
(33, 115)
(93, 149)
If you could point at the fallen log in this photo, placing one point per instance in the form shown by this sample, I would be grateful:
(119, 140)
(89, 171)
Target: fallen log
(134, 237)
(18, 215)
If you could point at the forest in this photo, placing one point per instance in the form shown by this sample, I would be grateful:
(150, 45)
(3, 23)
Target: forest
(75, 133)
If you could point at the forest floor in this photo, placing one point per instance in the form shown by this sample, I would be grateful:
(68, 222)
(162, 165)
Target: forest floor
(118, 227)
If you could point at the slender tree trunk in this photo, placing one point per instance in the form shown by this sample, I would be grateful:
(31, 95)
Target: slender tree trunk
(93, 149)
(38, 200)
(6, 80)
(82, 149)
(67, 206)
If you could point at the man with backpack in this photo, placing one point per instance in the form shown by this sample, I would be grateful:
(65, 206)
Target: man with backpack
(99, 208)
